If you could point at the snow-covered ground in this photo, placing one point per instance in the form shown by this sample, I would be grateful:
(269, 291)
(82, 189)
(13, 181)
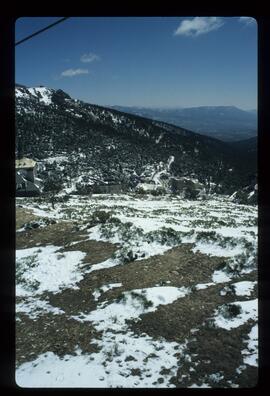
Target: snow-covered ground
(41, 269)
(217, 226)
(142, 227)
(44, 94)
(118, 345)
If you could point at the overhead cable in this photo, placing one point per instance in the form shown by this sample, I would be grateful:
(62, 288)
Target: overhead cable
(41, 30)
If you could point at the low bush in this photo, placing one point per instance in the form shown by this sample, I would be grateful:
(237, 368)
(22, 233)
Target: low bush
(142, 299)
(141, 191)
(158, 191)
(164, 236)
(207, 236)
(101, 217)
(37, 224)
(230, 311)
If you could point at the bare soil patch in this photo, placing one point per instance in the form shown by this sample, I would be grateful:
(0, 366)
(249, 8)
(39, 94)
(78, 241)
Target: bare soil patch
(216, 350)
(52, 333)
(59, 234)
(24, 216)
(179, 265)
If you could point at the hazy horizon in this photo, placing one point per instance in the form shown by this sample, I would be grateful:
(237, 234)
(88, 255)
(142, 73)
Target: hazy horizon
(180, 107)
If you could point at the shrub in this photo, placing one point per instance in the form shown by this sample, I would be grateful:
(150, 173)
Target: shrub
(36, 224)
(158, 191)
(83, 189)
(230, 311)
(53, 184)
(228, 290)
(237, 264)
(121, 298)
(206, 236)
(222, 265)
(22, 266)
(115, 221)
(142, 299)
(141, 191)
(164, 236)
(99, 217)
(191, 192)
(62, 198)
(126, 255)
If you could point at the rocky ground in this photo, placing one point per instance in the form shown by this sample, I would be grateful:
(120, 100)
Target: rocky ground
(136, 291)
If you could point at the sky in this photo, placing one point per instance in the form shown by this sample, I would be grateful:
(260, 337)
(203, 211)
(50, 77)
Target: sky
(143, 61)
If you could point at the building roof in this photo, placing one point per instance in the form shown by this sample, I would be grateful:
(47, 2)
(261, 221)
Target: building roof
(25, 163)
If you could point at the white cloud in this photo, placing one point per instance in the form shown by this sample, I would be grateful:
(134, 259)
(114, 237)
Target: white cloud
(88, 58)
(198, 25)
(74, 72)
(247, 20)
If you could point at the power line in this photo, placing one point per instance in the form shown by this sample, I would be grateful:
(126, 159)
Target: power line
(40, 31)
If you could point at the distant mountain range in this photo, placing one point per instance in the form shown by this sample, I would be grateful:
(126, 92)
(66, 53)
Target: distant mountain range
(83, 143)
(227, 123)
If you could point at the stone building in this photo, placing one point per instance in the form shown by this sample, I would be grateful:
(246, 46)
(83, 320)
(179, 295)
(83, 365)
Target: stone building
(27, 183)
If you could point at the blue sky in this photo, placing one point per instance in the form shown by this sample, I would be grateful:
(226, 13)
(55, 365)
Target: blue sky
(143, 61)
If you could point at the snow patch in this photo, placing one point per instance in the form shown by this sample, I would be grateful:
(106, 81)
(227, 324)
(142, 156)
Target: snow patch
(125, 359)
(104, 264)
(170, 161)
(203, 385)
(45, 93)
(34, 307)
(220, 277)
(57, 158)
(131, 306)
(248, 310)
(202, 286)
(244, 288)
(251, 352)
(106, 369)
(159, 138)
(215, 250)
(42, 269)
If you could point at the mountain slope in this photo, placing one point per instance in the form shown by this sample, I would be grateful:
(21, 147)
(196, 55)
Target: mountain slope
(227, 123)
(84, 143)
(247, 145)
